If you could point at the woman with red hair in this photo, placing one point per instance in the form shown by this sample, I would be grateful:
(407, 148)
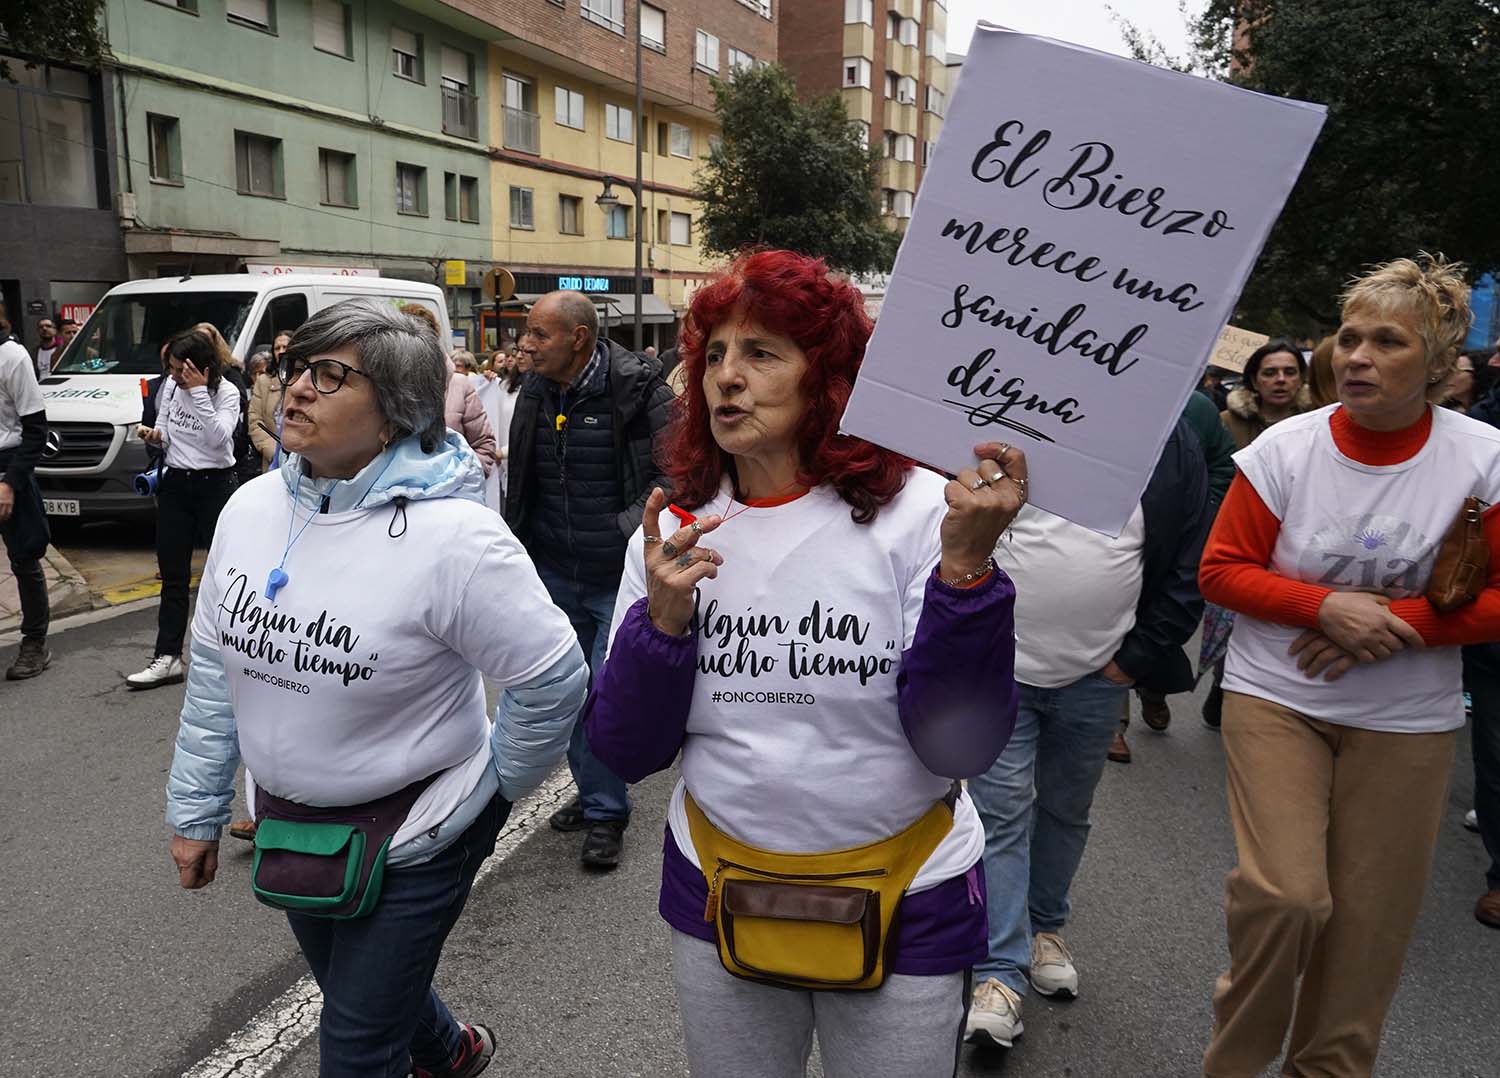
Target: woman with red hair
(827, 669)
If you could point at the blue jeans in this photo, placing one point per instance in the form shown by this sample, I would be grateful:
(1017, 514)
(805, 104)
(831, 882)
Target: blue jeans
(591, 609)
(1482, 680)
(1035, 804)
(380, 1014)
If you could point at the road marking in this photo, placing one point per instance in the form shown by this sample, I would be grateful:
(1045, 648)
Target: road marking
(147, 587)
(278, 1030)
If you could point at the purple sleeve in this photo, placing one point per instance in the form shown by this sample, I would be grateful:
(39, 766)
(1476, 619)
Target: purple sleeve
(957, 686)
(636, 716)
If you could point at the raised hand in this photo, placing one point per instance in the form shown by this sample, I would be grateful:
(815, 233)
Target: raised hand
(982, 501)
(675, 565)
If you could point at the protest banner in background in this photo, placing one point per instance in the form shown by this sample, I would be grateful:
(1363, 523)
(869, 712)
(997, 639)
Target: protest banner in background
(1080, 239)
(1234, 348)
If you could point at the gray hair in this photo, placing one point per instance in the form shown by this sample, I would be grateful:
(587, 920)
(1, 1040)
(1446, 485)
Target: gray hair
(400, 354)
(576, 309)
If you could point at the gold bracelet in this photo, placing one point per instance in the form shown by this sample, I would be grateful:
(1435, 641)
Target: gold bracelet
(984, 567)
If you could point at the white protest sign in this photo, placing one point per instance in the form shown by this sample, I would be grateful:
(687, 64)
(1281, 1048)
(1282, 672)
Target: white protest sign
(1234, 347)
(1080, 239)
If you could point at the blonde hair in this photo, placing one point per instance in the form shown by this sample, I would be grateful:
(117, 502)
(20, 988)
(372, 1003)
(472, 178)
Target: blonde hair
(1433, 293)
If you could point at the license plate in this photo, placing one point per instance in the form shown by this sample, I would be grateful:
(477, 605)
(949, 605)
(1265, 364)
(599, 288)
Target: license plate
(61, 507)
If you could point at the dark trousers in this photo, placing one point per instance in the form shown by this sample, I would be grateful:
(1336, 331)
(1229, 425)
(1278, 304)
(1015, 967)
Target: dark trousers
(32, 587)
(187, 512)
(1482, 680)
(380, 1015)
(25, 537)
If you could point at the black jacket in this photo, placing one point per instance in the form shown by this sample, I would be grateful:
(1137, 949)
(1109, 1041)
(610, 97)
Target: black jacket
(1177, 514)
(573, 498)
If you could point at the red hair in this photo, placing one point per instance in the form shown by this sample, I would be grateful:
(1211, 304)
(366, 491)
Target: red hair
(791, 295)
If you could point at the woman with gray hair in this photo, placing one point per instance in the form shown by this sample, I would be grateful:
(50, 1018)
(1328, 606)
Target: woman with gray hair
(348, 609)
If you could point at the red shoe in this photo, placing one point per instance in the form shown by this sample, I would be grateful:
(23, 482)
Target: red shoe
(478, 1050)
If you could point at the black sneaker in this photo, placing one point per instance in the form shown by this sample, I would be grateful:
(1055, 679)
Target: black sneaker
(478, 1050)
(569, 817)
(32, 659)
(1213, 708)
(602, 845)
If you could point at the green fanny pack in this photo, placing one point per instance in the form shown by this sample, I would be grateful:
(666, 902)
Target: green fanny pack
(326, 862)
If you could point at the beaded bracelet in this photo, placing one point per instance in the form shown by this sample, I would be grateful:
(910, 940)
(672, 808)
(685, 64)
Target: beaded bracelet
(985, 566)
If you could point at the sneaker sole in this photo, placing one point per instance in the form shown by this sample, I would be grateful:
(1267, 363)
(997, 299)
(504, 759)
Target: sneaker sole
(983, 1038)
(10, 675)
(176, 680)
(1063, 992)
(568, 828)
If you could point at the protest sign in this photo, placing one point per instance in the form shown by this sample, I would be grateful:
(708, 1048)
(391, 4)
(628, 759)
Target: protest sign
(1234, 347)
(1080, 239)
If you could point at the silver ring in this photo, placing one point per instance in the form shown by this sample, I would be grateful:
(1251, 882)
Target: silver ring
(697, 528)
(651, 538)
(995, 478)
(979, 484)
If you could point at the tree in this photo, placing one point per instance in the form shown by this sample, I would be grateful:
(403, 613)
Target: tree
(791, 174)
(65, 31)
(1409, 159)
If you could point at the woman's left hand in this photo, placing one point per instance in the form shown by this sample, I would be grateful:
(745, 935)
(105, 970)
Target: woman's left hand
(197, 862)
(982, 501)
(191, 377)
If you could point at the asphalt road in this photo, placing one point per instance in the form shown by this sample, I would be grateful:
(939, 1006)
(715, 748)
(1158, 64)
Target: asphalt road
(110, 967)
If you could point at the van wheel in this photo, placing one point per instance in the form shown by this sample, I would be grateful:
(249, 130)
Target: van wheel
(64, 529)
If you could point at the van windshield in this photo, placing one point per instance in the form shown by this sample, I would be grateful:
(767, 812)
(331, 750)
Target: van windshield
(125, 333)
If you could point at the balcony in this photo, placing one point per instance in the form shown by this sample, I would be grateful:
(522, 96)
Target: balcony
(523, 131)
(460, 113)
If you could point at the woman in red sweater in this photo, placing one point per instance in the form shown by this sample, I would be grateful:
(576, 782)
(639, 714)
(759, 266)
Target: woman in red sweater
(1342, 705)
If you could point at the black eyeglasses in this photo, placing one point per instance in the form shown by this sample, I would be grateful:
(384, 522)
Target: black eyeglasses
(328, 375)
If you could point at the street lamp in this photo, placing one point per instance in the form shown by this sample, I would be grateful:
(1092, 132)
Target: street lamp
(607, 199)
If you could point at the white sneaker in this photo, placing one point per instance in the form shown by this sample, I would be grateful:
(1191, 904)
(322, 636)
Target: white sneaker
(1052, 972)
(994, 1015)
(1471, 820)
(164, 670)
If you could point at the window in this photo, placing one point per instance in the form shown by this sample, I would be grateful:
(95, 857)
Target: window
(891, 80)
(523, 126)
(336, 173)
(450, 196)
(331, 27)
(458, 69)
(890, 144)
(570, 215)
(47, 151)
(682, 229)
(190, 6)
(607, 13)
(411, 189)
(617, 222)
(460, 106)
(406, 54)
(887, 201)
(906, 90)
(681, 140)
(714, 142)
(468, 199)
(739, 59)
(522, 208)
(937, 102)
(257, 165)
(927, 148)
(936, 45)
(904, 147)
(569, 111)
(760, 7)
(856, 72)
(260, 14)
(903, 203)
(909, 33)
(619, 124)
(654, 27)
(706, 52)
(859, 11)
(165, 148)
(283, 315)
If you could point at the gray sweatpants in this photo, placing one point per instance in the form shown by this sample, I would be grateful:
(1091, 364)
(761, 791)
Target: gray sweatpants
(911, 1027)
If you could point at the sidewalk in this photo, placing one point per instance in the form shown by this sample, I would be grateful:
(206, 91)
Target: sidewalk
(66, 588)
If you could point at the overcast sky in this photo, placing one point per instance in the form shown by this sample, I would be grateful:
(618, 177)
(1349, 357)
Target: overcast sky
(1083, 22)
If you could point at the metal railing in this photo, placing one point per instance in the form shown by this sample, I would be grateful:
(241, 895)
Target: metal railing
(460, 113)
(523, 131)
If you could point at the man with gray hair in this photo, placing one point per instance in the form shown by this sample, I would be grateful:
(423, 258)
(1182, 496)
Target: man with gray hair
(580, 470)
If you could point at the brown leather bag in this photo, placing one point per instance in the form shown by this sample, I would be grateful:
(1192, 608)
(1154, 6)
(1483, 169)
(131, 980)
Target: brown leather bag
(1463, 559)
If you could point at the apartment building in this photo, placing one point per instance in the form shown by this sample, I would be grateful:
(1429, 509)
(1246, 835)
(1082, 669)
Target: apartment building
(888, 59)
(565, 129)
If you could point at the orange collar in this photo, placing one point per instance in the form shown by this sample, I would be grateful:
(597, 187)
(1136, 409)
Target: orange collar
(772, 503)
(1379, 447)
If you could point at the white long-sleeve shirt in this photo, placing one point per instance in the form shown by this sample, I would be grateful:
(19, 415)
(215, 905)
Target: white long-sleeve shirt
(197, 425)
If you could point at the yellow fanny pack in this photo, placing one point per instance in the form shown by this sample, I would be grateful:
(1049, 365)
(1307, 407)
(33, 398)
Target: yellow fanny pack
(811, 920)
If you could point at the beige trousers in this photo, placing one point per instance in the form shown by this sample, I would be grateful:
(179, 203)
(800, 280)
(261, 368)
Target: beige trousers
(1335, 829)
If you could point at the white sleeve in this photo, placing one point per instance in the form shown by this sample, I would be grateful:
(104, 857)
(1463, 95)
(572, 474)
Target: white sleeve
(632, 583)
(20, 380)
(1259, 463)
(505, 624)
(925, 551)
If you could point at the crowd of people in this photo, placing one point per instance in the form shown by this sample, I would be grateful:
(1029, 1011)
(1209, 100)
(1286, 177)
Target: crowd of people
(890, 694)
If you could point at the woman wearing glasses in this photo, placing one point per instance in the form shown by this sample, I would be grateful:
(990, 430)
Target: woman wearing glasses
(349, 607)
(198, 410)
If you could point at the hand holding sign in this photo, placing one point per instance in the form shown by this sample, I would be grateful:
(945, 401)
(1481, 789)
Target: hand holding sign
(982, 501)
(1083, 231)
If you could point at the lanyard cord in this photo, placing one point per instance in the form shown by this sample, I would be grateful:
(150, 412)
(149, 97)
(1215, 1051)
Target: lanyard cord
(278, 576)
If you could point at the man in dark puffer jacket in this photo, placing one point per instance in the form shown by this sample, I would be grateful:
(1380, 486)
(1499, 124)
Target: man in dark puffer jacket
(580, 470)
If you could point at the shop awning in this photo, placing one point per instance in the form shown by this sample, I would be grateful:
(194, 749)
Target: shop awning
(621, 308)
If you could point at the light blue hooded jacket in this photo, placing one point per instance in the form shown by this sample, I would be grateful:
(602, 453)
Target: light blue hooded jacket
(533, 721)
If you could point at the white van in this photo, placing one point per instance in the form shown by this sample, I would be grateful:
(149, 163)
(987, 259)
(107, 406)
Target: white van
(97, 386)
